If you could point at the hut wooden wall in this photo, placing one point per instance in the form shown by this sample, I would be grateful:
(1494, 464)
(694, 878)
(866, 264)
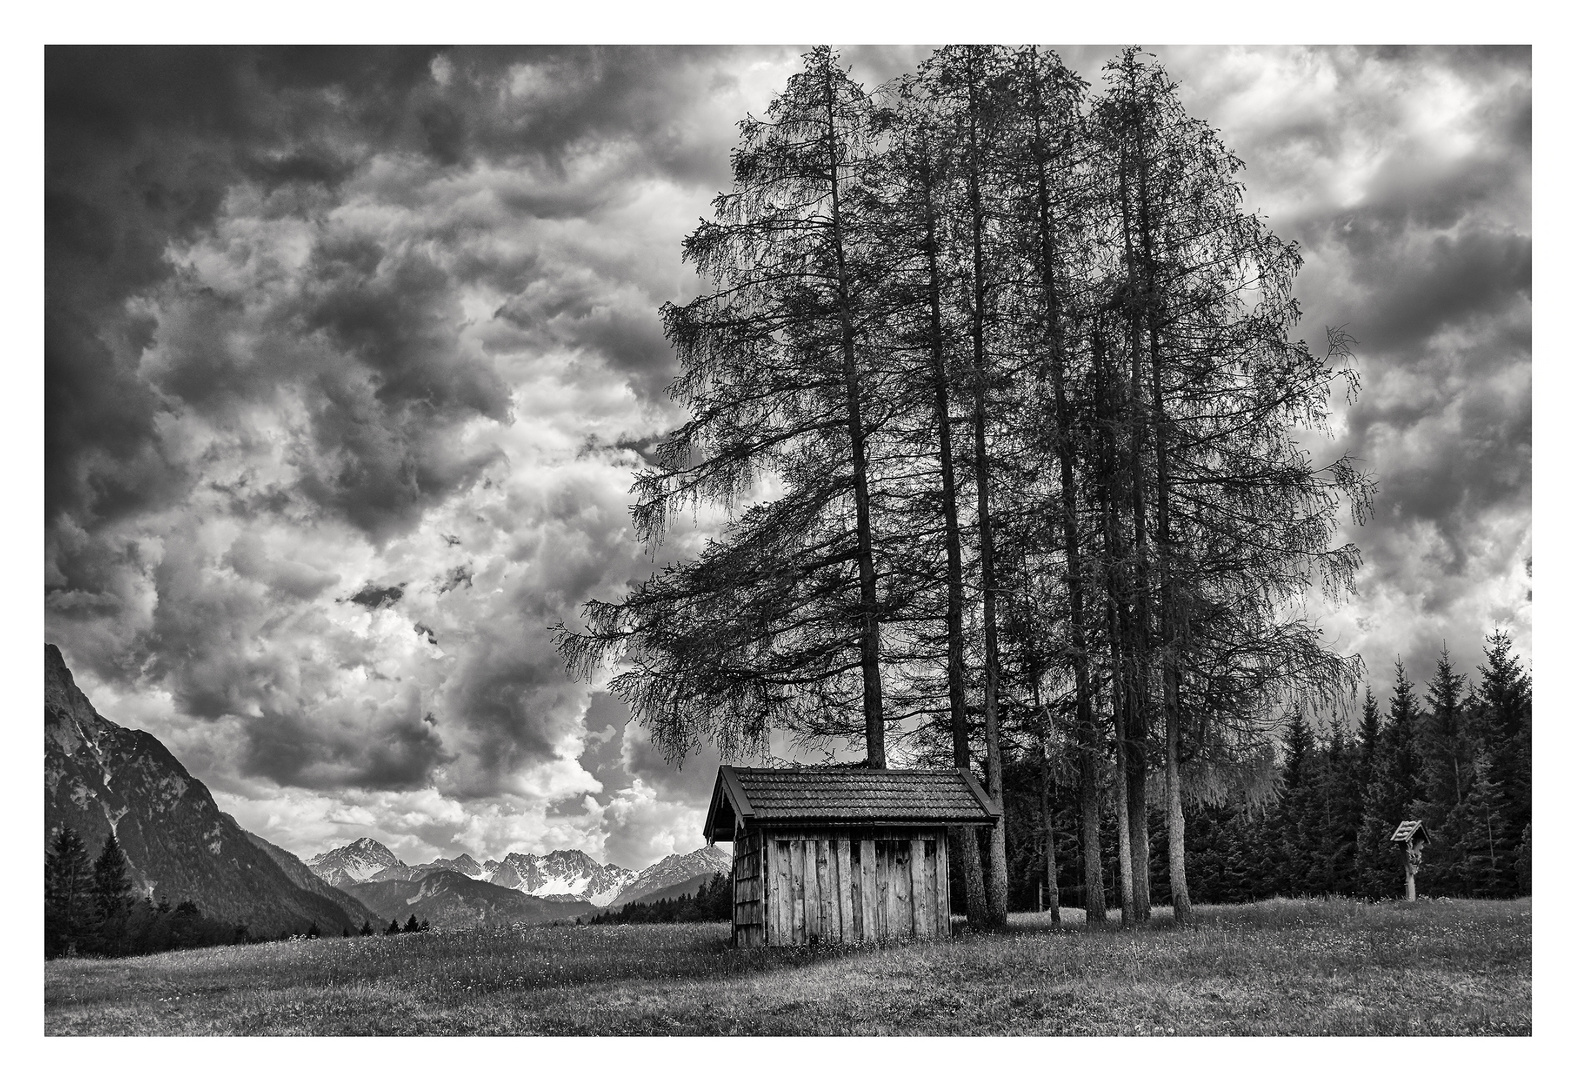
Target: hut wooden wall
(851, 885)
(748, 891)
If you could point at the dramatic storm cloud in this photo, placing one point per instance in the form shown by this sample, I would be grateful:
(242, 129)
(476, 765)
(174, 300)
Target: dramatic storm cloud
(349, 354)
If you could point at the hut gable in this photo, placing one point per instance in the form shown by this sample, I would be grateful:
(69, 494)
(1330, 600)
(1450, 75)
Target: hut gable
(751, 798)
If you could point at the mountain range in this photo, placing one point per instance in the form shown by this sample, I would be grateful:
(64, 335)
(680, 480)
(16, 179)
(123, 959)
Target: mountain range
(561, 877)
(100, 778)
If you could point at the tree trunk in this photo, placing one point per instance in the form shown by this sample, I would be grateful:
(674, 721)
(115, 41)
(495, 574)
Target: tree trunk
(869, 614)
(973, 878)
(1047, 808)
(1138, 642)
(1092, 851)
(1116, 620)
(1170, 616)
(972, 868)
(986, 543)
(1087, 734)
(1122, 807)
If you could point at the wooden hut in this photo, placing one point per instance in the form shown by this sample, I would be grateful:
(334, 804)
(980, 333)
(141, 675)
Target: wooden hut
(851, 854)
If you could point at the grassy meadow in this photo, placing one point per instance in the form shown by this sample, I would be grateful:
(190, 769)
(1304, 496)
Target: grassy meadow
(1281, 967)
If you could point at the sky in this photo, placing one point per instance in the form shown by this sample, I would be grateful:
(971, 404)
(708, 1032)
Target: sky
(348, 355)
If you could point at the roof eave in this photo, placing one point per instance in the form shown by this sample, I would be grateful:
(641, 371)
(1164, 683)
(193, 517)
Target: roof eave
(785, 822)
(988, 804)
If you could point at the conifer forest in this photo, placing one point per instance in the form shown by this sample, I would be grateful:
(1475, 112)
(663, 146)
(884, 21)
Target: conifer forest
(1002, 391)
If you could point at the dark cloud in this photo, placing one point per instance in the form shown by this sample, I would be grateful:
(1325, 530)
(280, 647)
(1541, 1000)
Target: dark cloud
(378, 596)
(330, 753)
(605, 721)
(457, 576)
(512, 699)
(144, 145)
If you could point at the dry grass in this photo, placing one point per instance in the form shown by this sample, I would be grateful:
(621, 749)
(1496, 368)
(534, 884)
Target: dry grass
(1301, 967)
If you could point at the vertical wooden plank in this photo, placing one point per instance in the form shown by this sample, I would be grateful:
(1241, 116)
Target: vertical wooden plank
(822, 883)
(901, 888)
(920, 893)
(829, 928)
(943, 872)
(822, 887)
(868, 887)
(833, 883)
(773, 891)
(932, 897)
(782, 861)
(800, 918)
(855, 891)
(811, 891)
(883, 852)
(844, 888)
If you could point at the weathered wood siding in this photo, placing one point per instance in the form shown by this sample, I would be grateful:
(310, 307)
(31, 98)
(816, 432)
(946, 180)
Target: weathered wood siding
(748, 890)
(841, 885)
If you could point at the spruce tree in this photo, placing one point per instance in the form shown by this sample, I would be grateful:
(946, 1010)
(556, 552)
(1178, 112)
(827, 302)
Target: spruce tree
(411, 926)
(68, 900)
(1446, 761)
(1486, 846)
(366, 929)
(1292, 861)
(1339, 793)
(111, 894)
(1501, 722)
(1391, 794)
(1371, 727)
(1404, 759)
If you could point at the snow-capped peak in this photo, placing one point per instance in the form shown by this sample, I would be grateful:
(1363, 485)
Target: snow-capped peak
(360, 860)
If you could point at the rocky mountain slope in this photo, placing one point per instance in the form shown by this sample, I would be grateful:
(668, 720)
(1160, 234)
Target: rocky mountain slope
(301, 875)
(449, 899)
(100, 777)
(464, 865)
(687, 871)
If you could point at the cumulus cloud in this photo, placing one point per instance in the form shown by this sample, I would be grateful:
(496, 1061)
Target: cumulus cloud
(351, 355)
(328, 332)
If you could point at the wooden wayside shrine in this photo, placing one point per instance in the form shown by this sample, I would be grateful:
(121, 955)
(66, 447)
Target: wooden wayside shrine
(841, 854)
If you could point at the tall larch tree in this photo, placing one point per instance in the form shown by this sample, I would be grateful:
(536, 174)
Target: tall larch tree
(753, 636)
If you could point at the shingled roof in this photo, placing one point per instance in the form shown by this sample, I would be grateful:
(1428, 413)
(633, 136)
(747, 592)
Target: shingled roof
(844, 797)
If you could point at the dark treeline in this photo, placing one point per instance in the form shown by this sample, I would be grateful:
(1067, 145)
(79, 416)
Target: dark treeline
(712, 903)
(89, 908)
(997, 384)
(1454, 754)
